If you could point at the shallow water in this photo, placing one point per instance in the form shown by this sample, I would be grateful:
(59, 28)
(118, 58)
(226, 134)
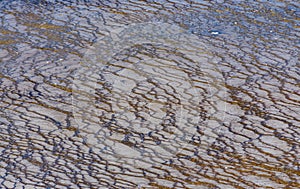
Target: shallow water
(149, 94)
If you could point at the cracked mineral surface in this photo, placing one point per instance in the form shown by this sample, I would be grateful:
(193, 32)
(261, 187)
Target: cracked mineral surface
(149, 94)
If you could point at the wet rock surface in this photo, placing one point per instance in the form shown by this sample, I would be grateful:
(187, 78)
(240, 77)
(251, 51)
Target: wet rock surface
(216, 108)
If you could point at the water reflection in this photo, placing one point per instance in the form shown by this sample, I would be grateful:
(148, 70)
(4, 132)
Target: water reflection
(255, 47)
